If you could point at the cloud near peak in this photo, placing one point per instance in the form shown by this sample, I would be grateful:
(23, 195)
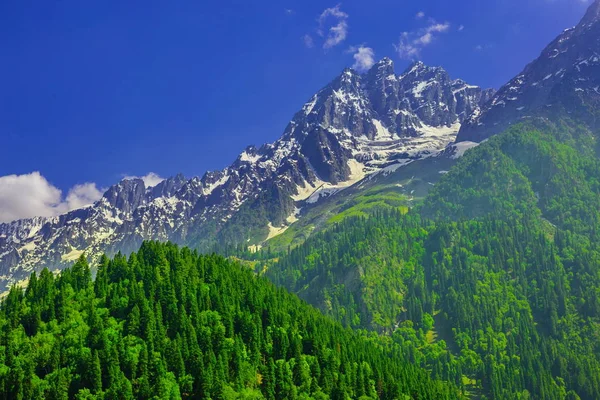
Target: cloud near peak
(411, 43)
(308, 41)
(364, 58)
(31, 195)
(333, 24)
(150, 179)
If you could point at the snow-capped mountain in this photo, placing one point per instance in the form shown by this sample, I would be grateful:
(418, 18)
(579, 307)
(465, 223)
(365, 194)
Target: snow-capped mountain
(354, 126)
(564, 81)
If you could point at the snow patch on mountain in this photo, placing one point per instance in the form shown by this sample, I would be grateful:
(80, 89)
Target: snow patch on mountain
(382, 132)
(273, 231)
(458, 149)
(73, 255)
(305, 190)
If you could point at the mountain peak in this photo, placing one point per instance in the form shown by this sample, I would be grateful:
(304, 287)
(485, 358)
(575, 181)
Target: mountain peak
(168, 187)
(384, 62)
(419, 71)
(126, 195)
(417, 68)
(416, 65)
(347, 77)
(592, 14)
(561, 82)
(385, 66)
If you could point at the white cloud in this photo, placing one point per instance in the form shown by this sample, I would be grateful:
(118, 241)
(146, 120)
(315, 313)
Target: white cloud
(308, 41)
(410, 44)
(338, 31)
(420, 15)
(289, 11)
(364, 58)
(83, 195)
(438, 27)
(31, 195)
(424, 40)
(461, 28)
(150, 180)
(484, 47)
(405, 47)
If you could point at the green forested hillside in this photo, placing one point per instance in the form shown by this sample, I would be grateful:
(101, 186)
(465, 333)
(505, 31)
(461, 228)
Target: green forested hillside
(495, 278)
(167, 323)
(494, 305)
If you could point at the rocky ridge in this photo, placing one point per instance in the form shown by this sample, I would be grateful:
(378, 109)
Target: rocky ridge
(563, 82)
(356, 125)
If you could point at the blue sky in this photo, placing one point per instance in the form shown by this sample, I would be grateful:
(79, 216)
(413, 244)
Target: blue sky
(91, 91)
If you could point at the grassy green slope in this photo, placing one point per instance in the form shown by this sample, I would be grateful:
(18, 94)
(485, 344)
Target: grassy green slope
(391, 190)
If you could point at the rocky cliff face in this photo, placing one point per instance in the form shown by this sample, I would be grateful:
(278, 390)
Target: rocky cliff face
(564, 81)
(356, 125)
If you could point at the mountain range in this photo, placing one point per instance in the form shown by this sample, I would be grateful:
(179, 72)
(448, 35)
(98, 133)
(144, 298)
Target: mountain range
(356, 126)
(353, 127)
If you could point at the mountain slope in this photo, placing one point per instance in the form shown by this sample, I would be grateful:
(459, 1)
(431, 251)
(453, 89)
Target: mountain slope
(500, 264)
(564, 81)
(391, 188)
(355, 126)
(496, 273)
